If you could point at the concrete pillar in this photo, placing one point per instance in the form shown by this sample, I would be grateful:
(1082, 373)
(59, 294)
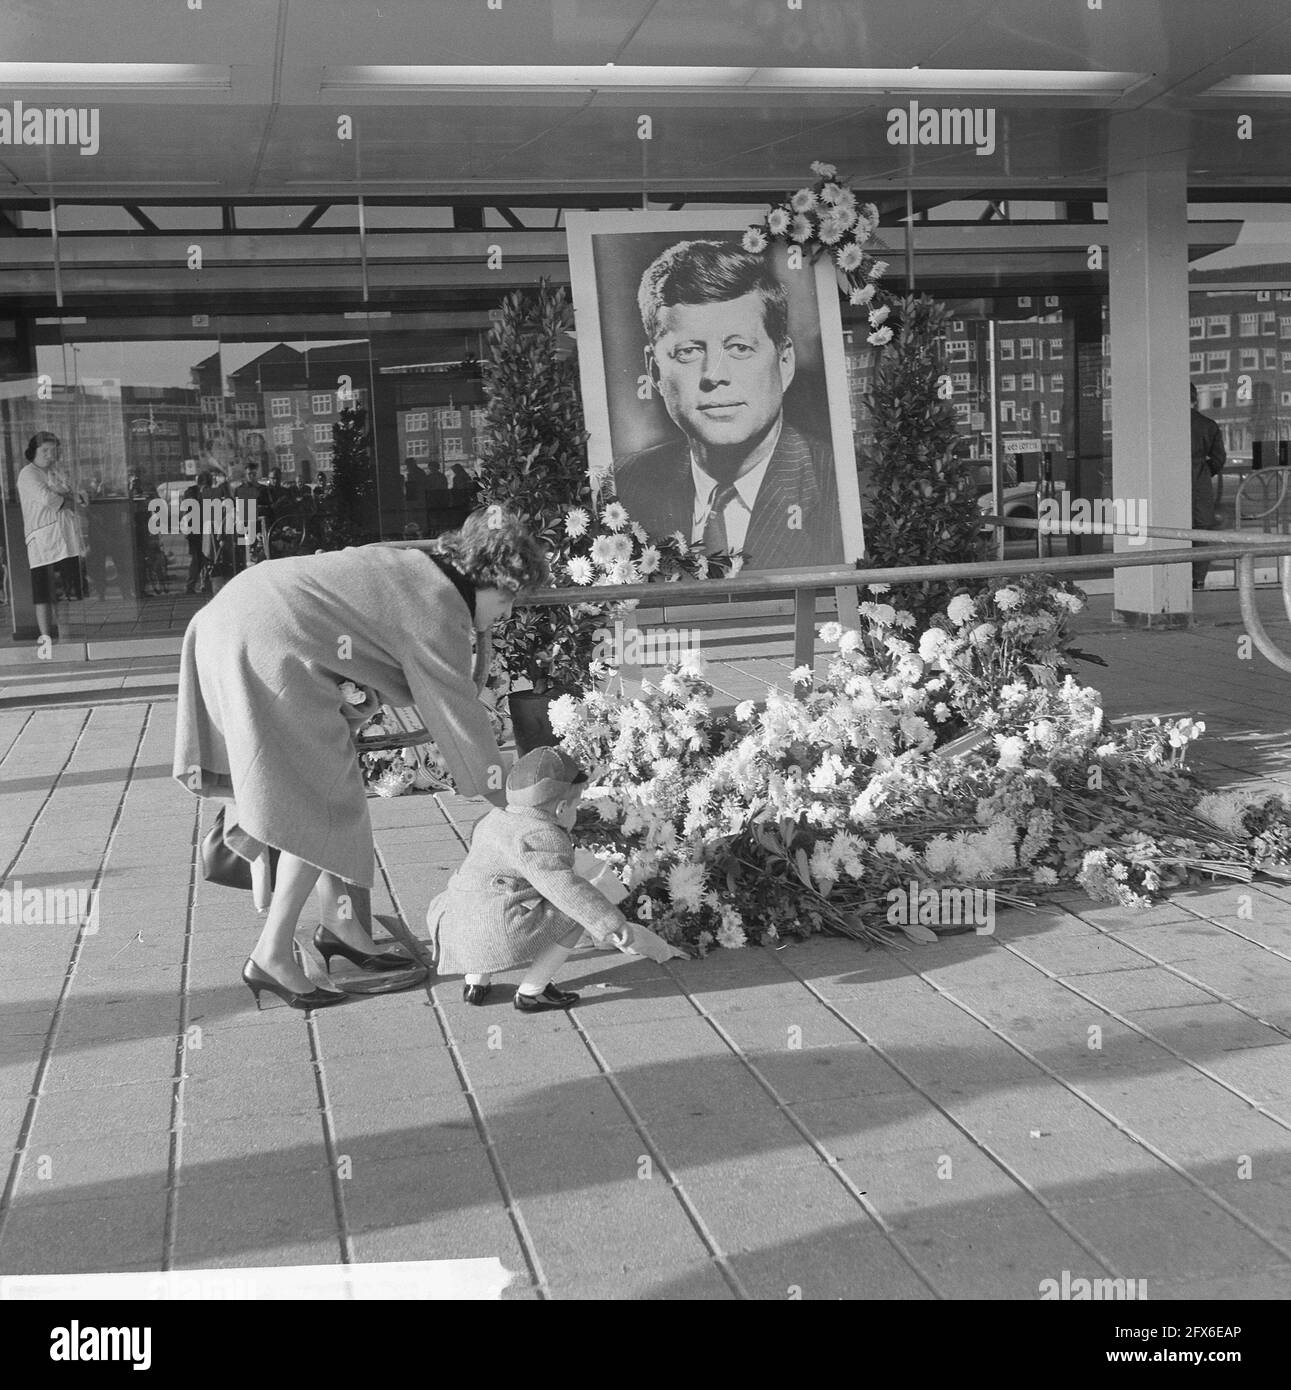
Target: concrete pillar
(1147, 198)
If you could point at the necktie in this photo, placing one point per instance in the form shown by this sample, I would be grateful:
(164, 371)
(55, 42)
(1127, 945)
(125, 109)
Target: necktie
(715, 541)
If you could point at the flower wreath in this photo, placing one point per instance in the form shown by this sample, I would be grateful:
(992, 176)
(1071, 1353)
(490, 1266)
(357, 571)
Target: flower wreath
(825, 218)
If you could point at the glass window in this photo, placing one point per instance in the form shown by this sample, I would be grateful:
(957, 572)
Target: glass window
(1268, 321)
(1008, 412)
(416, 420)
(418, 449)
(1249, 325)
(1270, 359)
(1219, 326)
(1197, 328)
(211, 405)
(1026, 347)
(1285, 397)
(322, 403)
(1008, 383)
(1028, 381)
(1250, 359)
(324, 458)
(1056, 382)
(1055, 347)
(1006, 350)
(454, 447)
(1284, 327)
(448, 419)
(480, 415)
(961, 412)
(1218, 361)
(246, 410)
(1055, 417)
(959, 380)
(1197, 362)
(1024, 414)
(1263, 296)
(1286, 361)
(322, 434)
(282, 434)
(280, 407)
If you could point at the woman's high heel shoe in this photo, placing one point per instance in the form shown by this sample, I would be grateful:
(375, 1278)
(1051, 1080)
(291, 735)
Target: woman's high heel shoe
(328, 944)
(256, 980)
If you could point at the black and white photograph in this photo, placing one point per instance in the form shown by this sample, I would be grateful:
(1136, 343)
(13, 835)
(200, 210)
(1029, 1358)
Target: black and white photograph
(710, 372)
(645, 657)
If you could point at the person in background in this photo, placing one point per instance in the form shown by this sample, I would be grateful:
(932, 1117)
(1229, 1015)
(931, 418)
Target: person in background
(1208, 460)
(193, 493)
(247, 493)
(272, 496)
(51, 529)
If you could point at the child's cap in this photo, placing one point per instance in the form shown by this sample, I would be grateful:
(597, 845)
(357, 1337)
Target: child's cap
(543, 775)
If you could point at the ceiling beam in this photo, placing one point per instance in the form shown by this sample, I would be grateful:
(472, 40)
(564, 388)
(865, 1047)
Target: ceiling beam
(510, 218)
(311, 218)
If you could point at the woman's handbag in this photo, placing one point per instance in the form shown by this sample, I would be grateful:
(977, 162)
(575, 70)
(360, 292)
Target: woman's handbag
(220, 864)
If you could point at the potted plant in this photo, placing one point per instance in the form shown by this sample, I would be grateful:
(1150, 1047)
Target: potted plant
(535, 467)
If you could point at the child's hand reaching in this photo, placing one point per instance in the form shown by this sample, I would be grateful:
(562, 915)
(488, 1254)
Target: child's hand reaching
(641, 941)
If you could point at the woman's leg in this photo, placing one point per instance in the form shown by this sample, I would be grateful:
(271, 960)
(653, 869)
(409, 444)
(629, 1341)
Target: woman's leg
(273, 952)
(345, 910)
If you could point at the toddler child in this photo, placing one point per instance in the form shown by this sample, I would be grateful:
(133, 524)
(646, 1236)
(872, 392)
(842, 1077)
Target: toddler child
(517, 899)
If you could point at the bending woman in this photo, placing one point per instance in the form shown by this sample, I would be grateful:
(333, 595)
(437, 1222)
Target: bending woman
(262, 720)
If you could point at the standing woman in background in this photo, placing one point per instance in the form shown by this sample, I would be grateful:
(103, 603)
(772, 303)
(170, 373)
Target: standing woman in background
(51, 528)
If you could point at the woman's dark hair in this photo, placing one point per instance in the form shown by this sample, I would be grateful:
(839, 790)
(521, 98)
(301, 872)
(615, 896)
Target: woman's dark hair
(496, 550)
(37, 439)
(204, 478)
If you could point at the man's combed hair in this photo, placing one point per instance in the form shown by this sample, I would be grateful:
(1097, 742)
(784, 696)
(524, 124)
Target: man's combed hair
(495, 550)
(710, 272)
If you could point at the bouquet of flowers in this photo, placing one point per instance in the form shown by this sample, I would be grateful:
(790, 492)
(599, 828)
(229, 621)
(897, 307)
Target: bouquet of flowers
(813, 814)
(825, 218)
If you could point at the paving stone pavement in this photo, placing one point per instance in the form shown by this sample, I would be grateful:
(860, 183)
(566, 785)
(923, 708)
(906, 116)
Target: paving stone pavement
(1091, 1090)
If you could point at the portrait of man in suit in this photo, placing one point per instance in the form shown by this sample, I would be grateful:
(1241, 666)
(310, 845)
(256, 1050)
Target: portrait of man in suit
(736, 477)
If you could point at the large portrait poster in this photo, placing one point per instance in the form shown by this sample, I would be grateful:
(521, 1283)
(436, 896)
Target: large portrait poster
(715, 386)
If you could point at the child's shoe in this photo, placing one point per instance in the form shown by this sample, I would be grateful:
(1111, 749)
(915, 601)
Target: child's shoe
(550, 998)
(476, 994)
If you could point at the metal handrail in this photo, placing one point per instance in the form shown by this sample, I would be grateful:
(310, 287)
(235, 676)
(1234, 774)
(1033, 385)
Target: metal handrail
(806, 583)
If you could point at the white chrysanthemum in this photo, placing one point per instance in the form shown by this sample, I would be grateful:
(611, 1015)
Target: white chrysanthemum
(778, 221)
(983, 634)
(887, 843)
(614, 515)
(648, 561)
(1012, 751)
(861, 296)
(1045, 876)
(803, 200)
(801, 228)
(1224, 809)
(1008, 598)
(730, 936)
(576, 523)
(604, 551)
(580, 570)
(879, 316)
(802, 675)
(691, 661)
(823, 170)
(878, 270)
(881, 338)
(960, 609)
(932, 642)
(1071, 602)
(565, 713)
(830, 633)
(754, 241)
(940, 855)
(850, 641)
(849, 257)
(700, 563)
(941, 712)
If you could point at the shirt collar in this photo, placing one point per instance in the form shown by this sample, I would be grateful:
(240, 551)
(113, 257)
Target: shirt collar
(747, 484)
